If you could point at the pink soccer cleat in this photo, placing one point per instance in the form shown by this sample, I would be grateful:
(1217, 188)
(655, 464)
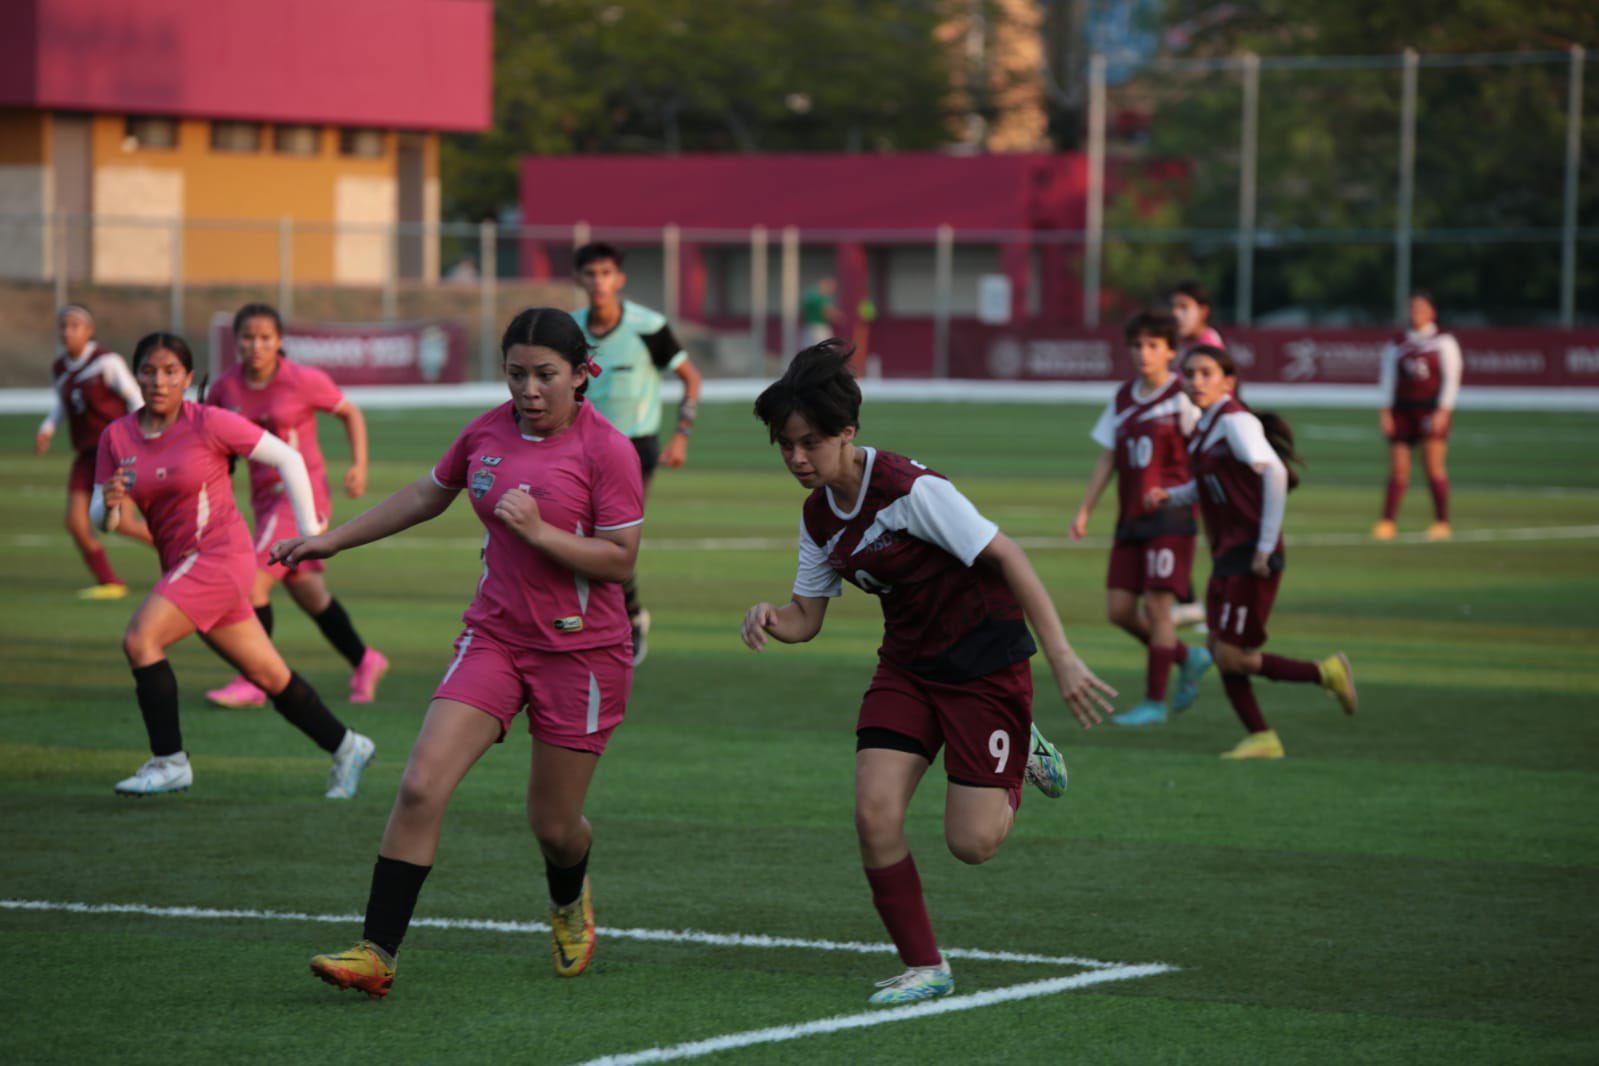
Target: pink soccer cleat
(237, 694)
(364, 682)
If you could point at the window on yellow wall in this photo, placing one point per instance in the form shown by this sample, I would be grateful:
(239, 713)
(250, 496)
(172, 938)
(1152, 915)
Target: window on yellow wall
(143, 132)
(297, 140)
(236, 136)
(365, 144)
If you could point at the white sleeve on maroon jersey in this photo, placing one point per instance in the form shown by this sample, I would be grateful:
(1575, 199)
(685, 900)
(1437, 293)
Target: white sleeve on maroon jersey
(813, 577)
(935, 511)
(1388, 373)
(1104, 431)
(1451, 363)
(114, 370)
(1188, 414)
(290, 465)
(1184, 495)
(57, 413)
(1247, 439)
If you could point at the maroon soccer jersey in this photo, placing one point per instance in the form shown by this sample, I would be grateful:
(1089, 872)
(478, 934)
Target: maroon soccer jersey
(1421, 371)
(92, 391)
(911, 540)
(1242, 485)
(1149, 438)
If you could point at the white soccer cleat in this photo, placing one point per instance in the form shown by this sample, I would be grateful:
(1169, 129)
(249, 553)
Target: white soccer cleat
(915, 984)
(163, 773)
(354, 755)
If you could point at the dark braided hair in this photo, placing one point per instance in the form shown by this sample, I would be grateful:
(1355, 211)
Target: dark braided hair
(154, 342)
(1279, 434)
(552, 328)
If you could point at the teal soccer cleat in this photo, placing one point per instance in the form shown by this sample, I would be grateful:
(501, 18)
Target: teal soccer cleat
(1150, 712)
(1188, 675)
(1046, 766)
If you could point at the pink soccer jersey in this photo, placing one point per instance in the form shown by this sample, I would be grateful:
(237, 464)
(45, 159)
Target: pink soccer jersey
(180, 481)
(286, 407)
(1208, 335)
(585, 480)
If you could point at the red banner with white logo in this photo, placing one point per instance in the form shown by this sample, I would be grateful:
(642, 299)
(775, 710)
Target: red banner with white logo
(428, 352)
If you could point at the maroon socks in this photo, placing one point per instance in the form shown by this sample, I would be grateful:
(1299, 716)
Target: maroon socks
(100, 566)
(1277, 668)
(1158, 669)
(897, 895)
(1242, 696)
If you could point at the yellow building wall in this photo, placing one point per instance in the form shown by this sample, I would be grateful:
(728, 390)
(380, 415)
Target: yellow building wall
(26, 194)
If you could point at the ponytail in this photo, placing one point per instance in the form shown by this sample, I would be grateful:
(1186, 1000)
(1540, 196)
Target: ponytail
(1280, 435)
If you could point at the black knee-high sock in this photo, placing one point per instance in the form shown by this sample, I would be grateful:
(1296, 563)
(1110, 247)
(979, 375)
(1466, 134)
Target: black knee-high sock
(157, 688)
(335, 625)
(566, 883)
(299, 703)
(395, 886)
(263, 614)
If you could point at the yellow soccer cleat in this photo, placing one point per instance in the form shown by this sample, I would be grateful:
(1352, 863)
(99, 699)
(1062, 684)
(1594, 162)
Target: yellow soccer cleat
(1338, 678)
(572, 934)
(1440, 531)
(1384, 530)
(365, 966)
(103, 592)
(1257, 746)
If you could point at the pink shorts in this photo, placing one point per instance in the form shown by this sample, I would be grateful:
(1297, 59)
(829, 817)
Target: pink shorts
(1161, 564)
(213, 590)
(574, 699)
(277, 523)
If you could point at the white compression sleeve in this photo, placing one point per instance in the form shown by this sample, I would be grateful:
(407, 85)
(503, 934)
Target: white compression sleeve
(274, 452)
(1184, 495)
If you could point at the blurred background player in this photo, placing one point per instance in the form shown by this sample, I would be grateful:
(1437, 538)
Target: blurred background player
(1420, 382)
(284, 397)
(953, 669)
(558, 491)
(633, 346)
(93, 388)
(172, 459)
(1190, 305)
(1144, 433)
(1241, 480)
(820, 313)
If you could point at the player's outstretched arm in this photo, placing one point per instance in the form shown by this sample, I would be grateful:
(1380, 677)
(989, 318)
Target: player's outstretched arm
(421, 500)
(355, 428)
(795, 622)
(1104, 467)
(1085, 694)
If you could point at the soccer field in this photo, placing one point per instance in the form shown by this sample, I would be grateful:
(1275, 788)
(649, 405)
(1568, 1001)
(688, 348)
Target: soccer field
(1417, 883)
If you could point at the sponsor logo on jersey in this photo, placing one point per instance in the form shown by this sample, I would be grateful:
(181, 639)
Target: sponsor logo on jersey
(161, 473)
(571, 624)
(491, 460)
(482, 481)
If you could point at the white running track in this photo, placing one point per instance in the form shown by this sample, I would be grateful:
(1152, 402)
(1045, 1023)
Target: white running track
(1095, 971)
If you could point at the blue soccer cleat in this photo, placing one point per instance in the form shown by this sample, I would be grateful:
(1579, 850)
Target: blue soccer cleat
(1188, 674)
(1150, 712)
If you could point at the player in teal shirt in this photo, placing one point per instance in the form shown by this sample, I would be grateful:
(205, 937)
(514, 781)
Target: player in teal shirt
(634, 347)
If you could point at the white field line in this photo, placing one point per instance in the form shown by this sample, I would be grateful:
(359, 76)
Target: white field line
(750, 544)
(779, 1033)
(663, 936)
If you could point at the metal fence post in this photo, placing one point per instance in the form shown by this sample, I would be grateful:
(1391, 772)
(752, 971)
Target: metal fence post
(758, 283)
(177, 275)
(943, 291)
(1407, 187)
(286, 266)
(580, 234)
(488, 241)
(59, 242)
(1568, 222)
(1249, 153)
(391, 276)
(671, 269)
(1095, 220)
(791, 292)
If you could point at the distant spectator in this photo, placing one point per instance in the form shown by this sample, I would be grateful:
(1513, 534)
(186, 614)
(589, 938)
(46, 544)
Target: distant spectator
(820, 312)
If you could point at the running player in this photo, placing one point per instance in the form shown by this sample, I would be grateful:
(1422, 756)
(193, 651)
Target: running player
(634, 346)
(1190, 304)
(953, 669)
(93, 388)
(172, 460)
(1144, 433)
(1241, 480)
(558, 491)
(284, 398)
(1420, 383)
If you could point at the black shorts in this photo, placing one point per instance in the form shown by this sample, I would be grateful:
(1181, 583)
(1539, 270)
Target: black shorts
(649, 453)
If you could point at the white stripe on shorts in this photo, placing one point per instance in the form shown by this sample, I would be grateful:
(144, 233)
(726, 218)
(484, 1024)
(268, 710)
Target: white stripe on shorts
(594, 704)
(271, 527)
(460, 653)
(184, 566)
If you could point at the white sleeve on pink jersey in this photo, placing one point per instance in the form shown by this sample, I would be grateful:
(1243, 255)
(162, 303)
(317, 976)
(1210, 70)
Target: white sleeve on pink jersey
(935, 511)
(114, 370)
(290, 465)
(813, 577)
(1247, 439)
(1451, 363)
(1104, 431)
(1388, 373)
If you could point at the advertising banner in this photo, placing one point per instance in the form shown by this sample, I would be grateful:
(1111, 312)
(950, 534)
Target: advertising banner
(390, 353)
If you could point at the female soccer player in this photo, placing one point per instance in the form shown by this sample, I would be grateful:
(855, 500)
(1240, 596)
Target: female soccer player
(93, 389)
(953, 667)
(283, 396)
(1190, 304)
(1420, 382)
(1241, 482)
(558, 491)
(172, 460)
(1144, 433)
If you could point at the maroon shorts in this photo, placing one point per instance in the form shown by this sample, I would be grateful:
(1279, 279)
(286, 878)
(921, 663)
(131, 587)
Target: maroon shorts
(274, 524)
(986, 722)
(1413, 427)
(574, 699)
(1160, 564)
(211, 589)
(81, 476)
(1237, 607)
